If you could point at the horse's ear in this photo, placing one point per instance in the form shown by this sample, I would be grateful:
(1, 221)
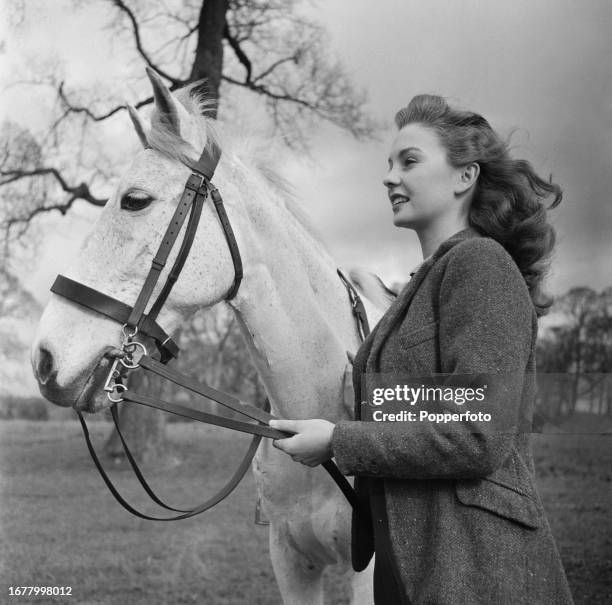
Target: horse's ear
(164, 103)
(138, 125)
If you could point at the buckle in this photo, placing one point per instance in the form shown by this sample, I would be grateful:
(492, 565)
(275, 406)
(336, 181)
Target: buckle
(196, 182)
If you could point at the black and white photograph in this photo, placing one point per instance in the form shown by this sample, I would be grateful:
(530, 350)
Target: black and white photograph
(305, 302)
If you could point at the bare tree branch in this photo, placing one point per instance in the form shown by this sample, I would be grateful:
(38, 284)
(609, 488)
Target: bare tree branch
(320, 110)
(261, 89)
(70, 108)
(63, 209)
(240, 54)
(141, 51)
(77, 192)
(266, 72)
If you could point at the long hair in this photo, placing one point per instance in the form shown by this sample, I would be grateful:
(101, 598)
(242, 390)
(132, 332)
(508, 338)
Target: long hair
(508, 201)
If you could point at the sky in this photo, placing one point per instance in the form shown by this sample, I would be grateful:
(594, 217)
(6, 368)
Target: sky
(539, 67)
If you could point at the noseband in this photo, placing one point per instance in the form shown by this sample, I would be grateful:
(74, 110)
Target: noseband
(134, 354)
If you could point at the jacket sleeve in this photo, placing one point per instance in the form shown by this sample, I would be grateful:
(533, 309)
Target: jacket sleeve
(486, 327)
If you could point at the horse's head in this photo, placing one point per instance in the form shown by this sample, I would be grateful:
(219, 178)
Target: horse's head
(74, 345)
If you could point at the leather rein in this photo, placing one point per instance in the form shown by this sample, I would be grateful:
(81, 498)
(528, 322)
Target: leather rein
(134, 355)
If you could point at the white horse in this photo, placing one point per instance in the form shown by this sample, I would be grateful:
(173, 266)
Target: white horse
(292, 307)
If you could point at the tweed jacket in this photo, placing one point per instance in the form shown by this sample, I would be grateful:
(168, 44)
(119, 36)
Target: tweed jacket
(465, 522)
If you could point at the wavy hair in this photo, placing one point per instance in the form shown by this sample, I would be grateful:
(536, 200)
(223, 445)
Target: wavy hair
(508, 201)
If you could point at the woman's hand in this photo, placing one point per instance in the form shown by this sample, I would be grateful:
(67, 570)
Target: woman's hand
(311, 445)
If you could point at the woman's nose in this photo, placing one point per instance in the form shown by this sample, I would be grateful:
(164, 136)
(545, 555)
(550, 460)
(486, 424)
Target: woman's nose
(391, 179)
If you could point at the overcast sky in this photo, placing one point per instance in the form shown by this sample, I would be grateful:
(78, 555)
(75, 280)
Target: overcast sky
(540, 66)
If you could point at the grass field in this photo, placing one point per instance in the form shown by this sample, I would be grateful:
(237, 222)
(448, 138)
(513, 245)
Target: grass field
(60, 527)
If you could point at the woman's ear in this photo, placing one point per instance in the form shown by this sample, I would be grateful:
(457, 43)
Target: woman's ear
(468, 175)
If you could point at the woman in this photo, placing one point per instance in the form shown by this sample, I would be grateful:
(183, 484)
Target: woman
(454, 516)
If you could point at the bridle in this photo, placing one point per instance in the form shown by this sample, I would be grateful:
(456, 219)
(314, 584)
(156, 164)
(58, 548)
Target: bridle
(195, 193)
(134, 354)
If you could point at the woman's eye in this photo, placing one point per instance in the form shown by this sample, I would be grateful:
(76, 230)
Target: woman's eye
(408, 162)
(135, 201)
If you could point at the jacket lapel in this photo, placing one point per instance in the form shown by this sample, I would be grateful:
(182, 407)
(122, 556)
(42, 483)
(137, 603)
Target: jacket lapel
(395, 313)
(397, 310)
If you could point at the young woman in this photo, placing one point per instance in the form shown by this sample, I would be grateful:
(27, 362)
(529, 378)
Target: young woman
(453, 514)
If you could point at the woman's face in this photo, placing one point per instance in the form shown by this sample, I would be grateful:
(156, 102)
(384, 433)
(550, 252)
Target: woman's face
(421, 184)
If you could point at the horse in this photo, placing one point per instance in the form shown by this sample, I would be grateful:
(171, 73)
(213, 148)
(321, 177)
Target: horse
(292, 309)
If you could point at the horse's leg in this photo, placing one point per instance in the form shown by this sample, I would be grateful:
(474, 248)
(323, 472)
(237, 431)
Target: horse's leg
(299, 579)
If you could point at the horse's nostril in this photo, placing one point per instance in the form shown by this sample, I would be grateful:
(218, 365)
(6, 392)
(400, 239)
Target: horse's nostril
(44, 367)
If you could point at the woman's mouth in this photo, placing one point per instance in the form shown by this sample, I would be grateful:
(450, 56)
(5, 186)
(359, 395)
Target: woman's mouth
(397, 199)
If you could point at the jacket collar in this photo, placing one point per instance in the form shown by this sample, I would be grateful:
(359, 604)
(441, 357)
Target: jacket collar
(460, 236)
(397, 310)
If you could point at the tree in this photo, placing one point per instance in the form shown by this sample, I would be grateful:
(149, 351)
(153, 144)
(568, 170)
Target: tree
(270, 50)
(598, 358)
(579, 349)
(17, 306)
(266, 49)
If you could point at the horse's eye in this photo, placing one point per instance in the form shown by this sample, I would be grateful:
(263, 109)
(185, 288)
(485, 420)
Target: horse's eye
(135, 201)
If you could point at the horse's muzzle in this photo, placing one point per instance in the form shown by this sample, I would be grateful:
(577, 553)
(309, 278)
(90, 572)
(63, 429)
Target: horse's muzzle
(84, 393)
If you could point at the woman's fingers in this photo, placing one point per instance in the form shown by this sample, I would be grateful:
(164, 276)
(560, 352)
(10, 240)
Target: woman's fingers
(291, 426)
(284, 445)
(311, 443)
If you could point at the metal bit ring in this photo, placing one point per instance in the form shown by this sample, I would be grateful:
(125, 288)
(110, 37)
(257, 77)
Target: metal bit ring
(119, 388)
(128, 361)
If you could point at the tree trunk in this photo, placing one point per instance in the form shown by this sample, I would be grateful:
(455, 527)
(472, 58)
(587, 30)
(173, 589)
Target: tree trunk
(208, 61)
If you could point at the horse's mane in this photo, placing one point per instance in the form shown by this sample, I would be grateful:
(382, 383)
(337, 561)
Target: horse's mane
(372, 287)
(251, 150)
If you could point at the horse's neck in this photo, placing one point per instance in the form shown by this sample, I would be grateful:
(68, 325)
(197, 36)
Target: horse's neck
(296, 317)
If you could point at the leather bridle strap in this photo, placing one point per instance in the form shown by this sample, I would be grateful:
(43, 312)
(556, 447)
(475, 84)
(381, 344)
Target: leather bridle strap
(357, 307)
(227, 489)
(232, 403)
(229, 238)
(192, 226)
(195, 192)
(259, 429)
(136, 469)
(191, 191)
(225, 399)
(208, 160)
(239, 425)
(181, 410)
(113, 309)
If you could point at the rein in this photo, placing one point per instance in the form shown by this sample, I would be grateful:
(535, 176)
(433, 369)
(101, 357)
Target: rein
(134, 355)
